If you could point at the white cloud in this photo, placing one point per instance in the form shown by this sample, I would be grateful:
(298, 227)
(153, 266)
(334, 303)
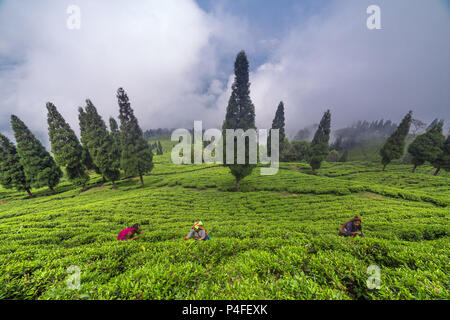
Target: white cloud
(164, 53)
(334, 61)
(169, 56)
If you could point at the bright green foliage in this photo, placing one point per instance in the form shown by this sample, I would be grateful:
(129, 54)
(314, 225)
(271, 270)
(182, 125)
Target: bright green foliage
(428, 146)
(11, 170)
(395, 144)
(100, 143)
(136, 158)
(240, 115)
(39, 167)
(276, 240)
(319, 145)
(278, 123)
(66, 148)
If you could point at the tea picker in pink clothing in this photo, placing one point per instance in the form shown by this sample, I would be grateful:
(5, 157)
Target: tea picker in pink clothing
(130, 233)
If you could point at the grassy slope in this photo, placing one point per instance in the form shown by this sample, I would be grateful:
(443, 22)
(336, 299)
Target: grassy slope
(275, 240)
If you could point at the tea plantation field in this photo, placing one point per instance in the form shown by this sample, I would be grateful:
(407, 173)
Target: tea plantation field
(276, 239)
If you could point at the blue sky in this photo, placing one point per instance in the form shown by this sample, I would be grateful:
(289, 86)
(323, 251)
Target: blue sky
(270, 15)
(175, 59)
(268, 19)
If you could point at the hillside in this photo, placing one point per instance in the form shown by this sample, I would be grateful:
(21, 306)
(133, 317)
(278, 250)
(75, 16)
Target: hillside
(276, 239)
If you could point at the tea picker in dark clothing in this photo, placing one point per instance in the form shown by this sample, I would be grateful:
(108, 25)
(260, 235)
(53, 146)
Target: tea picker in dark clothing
(352, 228)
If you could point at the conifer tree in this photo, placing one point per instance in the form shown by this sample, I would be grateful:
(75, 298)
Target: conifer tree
(159, 148)
(344, 157)
(11, 170)
(66, 148)
(435, 158)
(136, 158)
(240, 115)
(427, 146)
(395, 144)
(114, 129)
(39, 167)
(100, 143)
(88, 162)
(320, 144)
(278, 123)
(444, 159)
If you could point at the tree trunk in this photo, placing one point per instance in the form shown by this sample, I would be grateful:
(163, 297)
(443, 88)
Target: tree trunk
(414, 169)
(238, 185)
(84, 188)
(52, 190)
(142, 180)
(384, 167)
(437, 171)
(30, 194)
(114, 185)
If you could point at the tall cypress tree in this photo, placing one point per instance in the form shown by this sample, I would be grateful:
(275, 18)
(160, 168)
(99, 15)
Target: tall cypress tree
(11, 170)
(66, 148)
(435, 158)
(159, 148)
(100, 144)
(240, 115)
(114, 129)
(278, 123)
(115, 133)
(444, 159)
(39, 167)
(428, 146)
(395, 144)
(136, 158)
(320, 144)
(88, 162)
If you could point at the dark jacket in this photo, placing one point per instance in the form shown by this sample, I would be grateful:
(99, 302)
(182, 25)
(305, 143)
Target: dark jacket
(350, 228)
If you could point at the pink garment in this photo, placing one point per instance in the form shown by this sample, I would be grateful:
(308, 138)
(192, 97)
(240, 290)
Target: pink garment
(122, 234)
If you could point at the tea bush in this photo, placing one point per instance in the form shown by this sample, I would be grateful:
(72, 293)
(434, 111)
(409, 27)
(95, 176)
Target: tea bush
(275, 239)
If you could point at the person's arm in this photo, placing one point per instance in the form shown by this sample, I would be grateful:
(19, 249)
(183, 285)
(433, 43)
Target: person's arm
(357, 230)
(135, 237)
(131, 236)
(189, 234)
